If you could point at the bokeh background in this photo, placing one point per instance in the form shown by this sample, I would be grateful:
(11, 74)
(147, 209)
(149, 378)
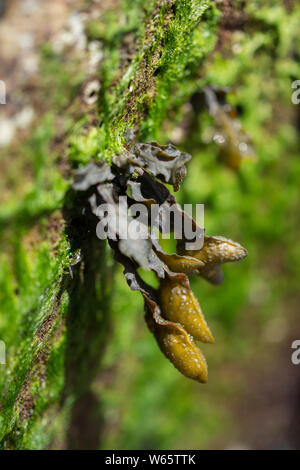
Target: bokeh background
(137, 399)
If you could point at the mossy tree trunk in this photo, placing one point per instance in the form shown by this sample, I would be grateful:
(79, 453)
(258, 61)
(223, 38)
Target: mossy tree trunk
(57, 277)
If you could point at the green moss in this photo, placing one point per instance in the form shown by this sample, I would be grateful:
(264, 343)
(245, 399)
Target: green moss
(46, 191)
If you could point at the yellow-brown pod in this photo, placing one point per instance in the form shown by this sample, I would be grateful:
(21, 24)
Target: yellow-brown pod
(177, 345)
(216, 250)
(179, 305)
(181, 264)
(181, 350)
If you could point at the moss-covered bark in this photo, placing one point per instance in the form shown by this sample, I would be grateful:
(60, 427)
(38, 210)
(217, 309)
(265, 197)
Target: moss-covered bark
(64, 336)
(56, 320)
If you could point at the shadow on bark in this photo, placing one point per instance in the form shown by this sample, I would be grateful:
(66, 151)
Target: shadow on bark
(88, 325)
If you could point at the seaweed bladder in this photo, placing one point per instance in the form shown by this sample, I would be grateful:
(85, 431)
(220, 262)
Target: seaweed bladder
(172, 312)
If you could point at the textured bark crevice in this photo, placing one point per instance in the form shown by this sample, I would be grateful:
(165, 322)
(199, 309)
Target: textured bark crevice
(88, 324)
